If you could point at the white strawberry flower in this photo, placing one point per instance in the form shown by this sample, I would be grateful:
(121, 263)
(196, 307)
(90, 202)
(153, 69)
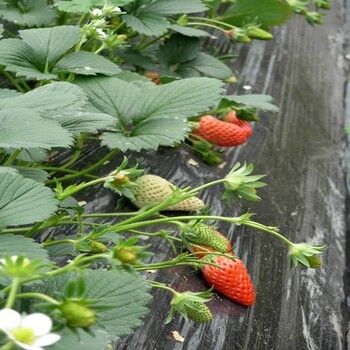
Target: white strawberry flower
(29, 332)
(96, 12)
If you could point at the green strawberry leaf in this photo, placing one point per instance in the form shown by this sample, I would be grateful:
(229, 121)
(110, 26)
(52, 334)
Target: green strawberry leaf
(49, 44)
(23, 201)
(5, 93)
(27, 172)
(64, 103)
(258, 101)
(146, 23)
(147, 117)
(137, 59)
(210, 66)
(21, 246)
(148, 134)
(86, 63)
(127, 296)
(178, 49)
(20, 58)
(23, 128)
(166, 8)
(268, 13)
(79, 339)
(28, 13)
(74, 6)
(181, 56)
(1, 30)
(34, 57)
(187, 31)
(182, 98)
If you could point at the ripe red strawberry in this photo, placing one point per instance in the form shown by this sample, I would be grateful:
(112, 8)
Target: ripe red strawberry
(231, 117)
(153, 189)
(154, 76)
(222, 133)
(231, 279)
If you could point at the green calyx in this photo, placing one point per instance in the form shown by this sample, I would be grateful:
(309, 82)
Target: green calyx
(76, 314)
(306, 255)
(202, 234)
(240, 184)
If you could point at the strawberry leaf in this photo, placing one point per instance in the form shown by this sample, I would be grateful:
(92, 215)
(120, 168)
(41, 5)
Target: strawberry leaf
(146, 118)
(86, 63)
(23, 128)
(268, 13)
(74, 6)
(148, 134)
(21, 246)
(23, 201)
(146, 23)
(125, 295)
(174, 7)
(27, 172)
(259, 101)
(35, 55)
(187, 31)
(28, 13)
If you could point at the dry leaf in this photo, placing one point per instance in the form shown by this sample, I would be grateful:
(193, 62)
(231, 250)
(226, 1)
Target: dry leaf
(192, 162)
(177, 336)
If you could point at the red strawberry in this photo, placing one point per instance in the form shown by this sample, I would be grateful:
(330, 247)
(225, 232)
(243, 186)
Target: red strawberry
(231, 117)
(154, 76)
(231, 279)
(222, 133)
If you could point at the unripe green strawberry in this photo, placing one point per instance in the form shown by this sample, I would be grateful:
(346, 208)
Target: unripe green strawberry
(204, 235)
(76, 314)
(314, 261)
(153, 189)
(201, 313)
(125, 255)
(258, 33)
(97, 247)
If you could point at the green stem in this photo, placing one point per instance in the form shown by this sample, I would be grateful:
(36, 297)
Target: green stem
(87, 170)
(38, 296)
(13, 81)
(81, 187)
(13, 157)
(212, 21)
(76, 154)
(48, 244)
(106, 215)
(142, 47)
(200, 24)
(69, 171)
(268, 229)
(13, 291)
(156, 284)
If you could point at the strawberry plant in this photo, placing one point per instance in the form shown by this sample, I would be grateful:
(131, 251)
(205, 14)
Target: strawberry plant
(125, 76)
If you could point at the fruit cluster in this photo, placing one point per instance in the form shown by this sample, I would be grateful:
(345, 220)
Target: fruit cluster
(229, 277)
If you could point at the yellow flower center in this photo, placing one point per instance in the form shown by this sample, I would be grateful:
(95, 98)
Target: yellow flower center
(24, 335)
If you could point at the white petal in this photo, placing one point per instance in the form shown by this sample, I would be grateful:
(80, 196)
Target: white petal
(9, 319)
(47, 339)
(39, 323)
(27, 346)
